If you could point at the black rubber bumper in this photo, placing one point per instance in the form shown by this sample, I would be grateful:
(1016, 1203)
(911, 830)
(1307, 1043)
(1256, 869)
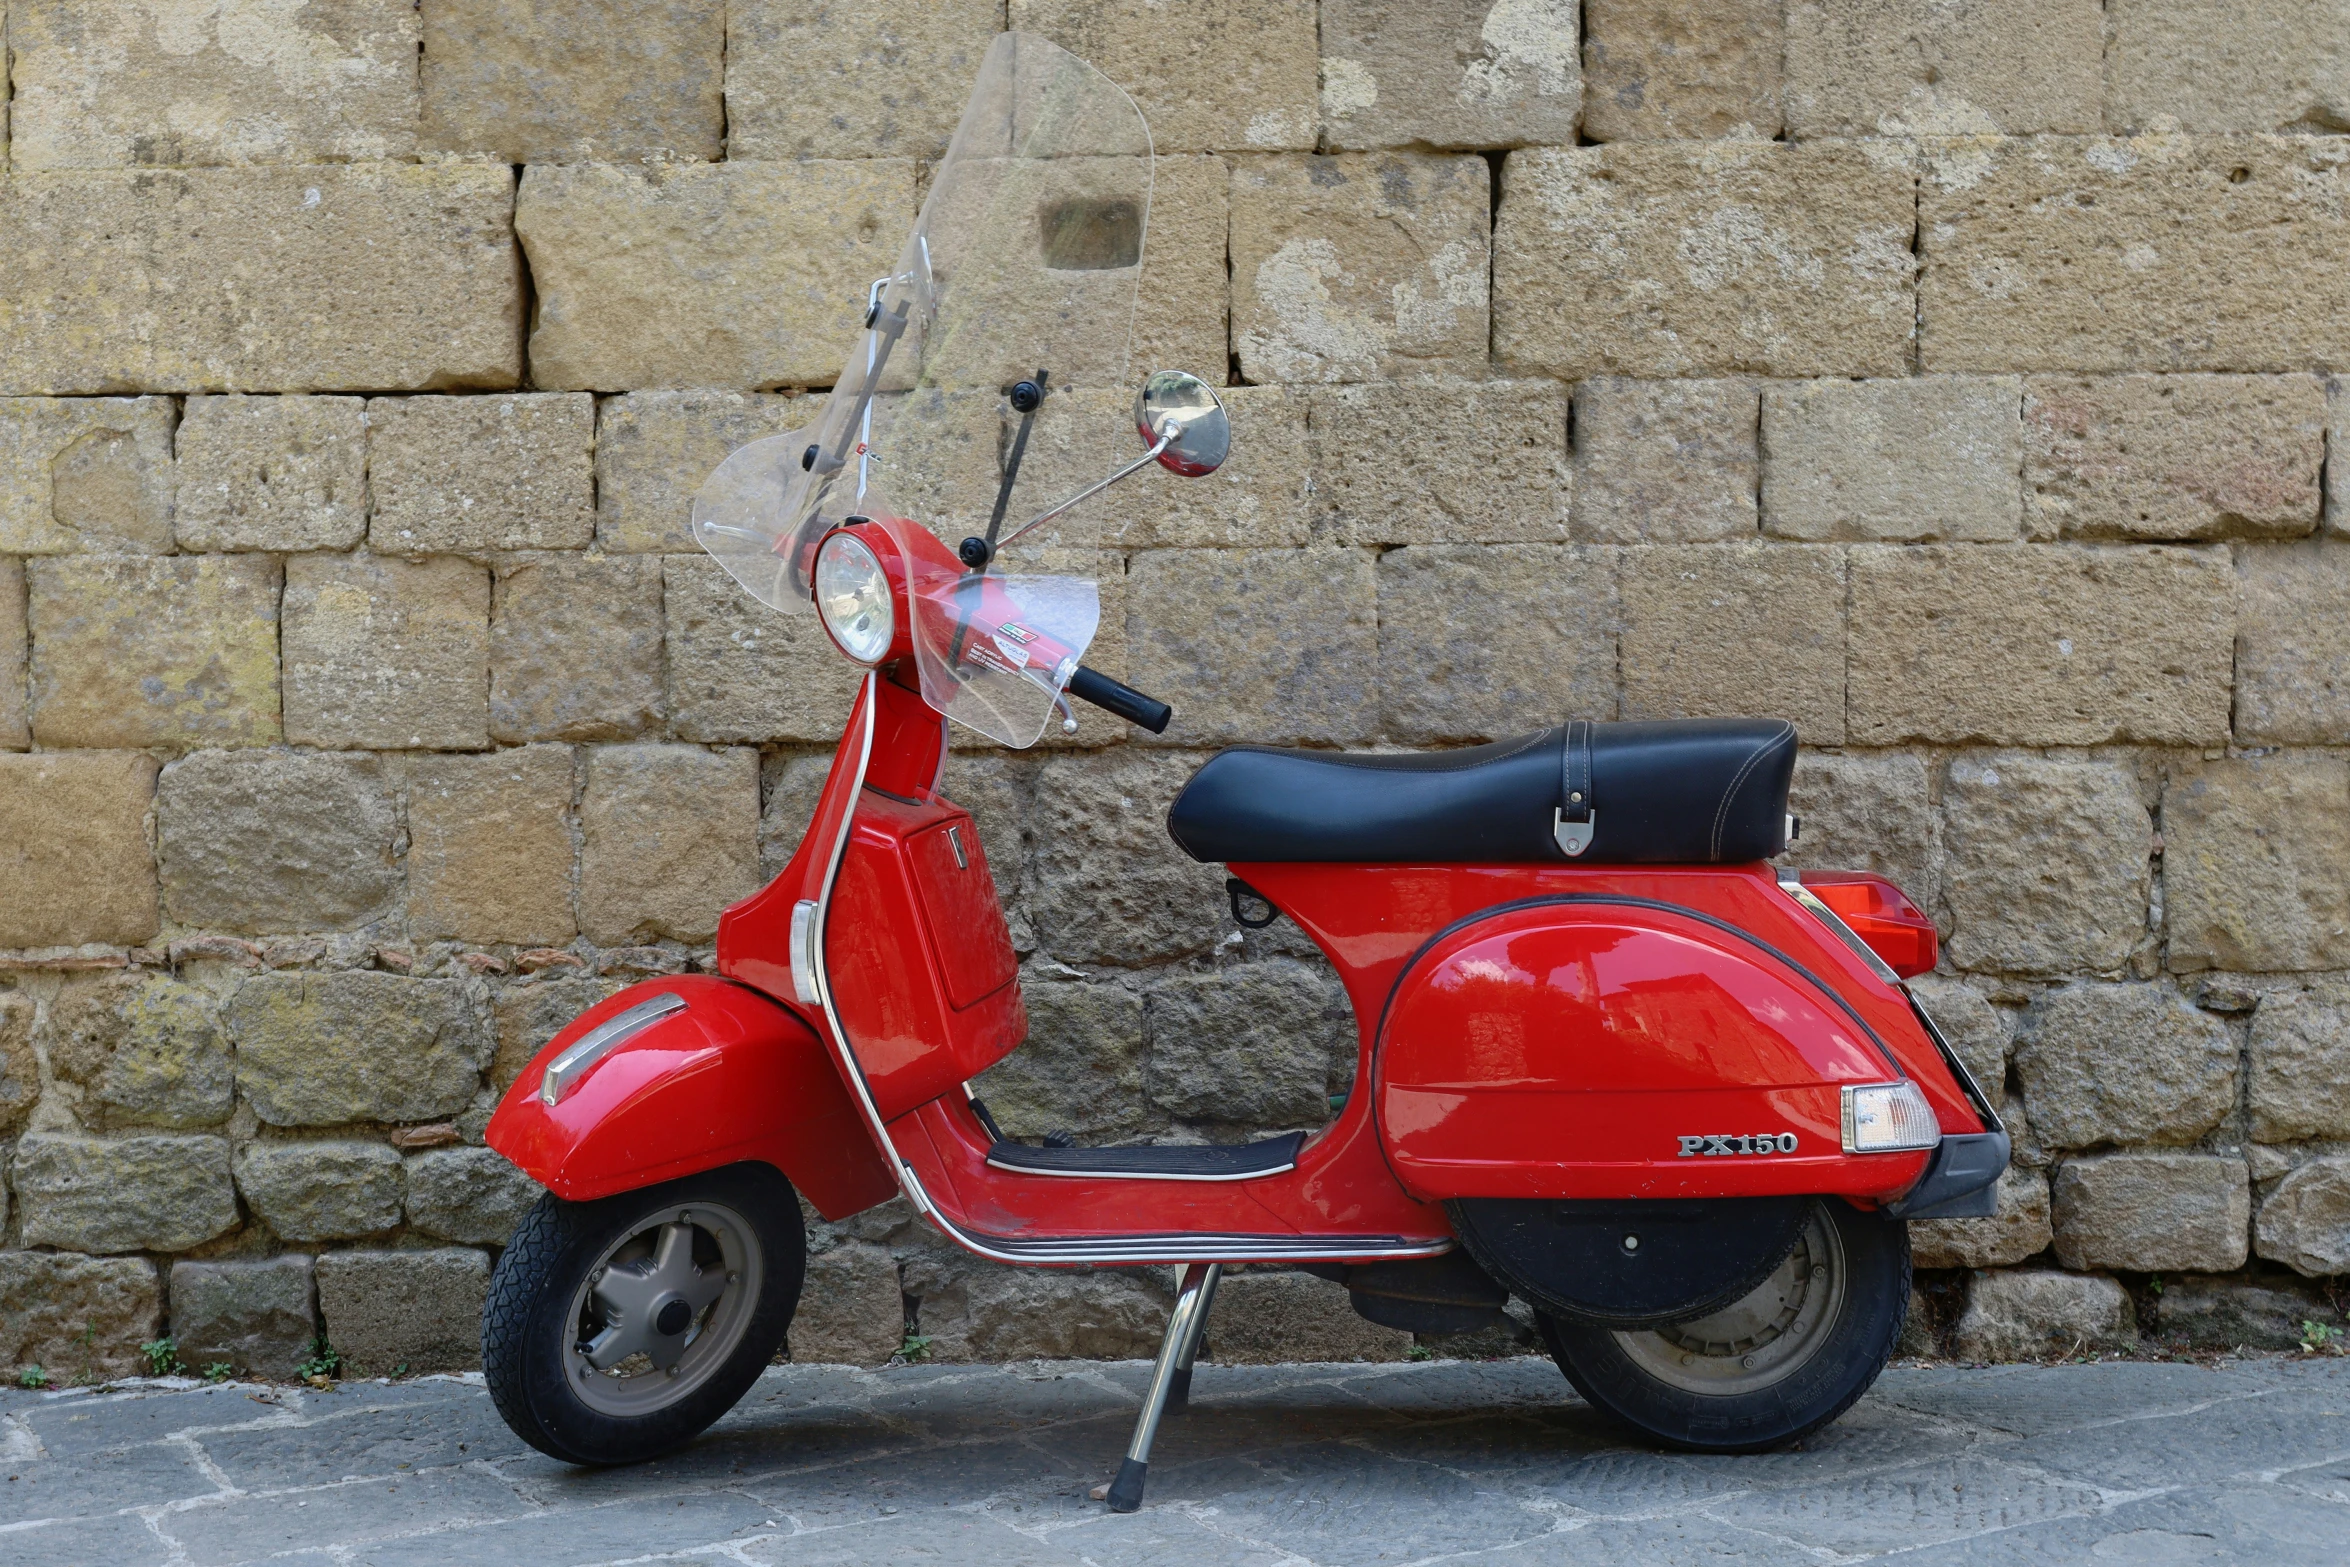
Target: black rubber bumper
(1961, 1180)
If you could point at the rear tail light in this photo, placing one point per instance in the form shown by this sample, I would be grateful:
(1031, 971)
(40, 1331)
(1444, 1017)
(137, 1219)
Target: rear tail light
(1881, 915)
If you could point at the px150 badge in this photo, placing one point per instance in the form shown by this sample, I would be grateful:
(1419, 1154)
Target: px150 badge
(1711, 1147)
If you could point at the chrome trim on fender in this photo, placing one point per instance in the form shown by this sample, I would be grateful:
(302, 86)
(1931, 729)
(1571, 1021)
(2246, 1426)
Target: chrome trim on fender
(564, 1072)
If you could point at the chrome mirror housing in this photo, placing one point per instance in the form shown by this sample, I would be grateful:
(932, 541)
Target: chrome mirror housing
(1181, 419)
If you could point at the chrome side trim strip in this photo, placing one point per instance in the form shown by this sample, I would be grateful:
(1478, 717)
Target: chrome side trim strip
(1142, 1175)
(564, 1072)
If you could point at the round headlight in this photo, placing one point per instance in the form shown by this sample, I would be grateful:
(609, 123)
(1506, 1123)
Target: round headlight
(852, 597)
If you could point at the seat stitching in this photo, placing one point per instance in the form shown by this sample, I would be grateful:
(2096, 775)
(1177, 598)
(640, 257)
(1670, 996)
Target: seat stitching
(1722, 811)
(1345, 759)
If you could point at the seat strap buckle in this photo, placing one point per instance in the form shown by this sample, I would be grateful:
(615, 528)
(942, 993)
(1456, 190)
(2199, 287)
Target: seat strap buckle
(1574, 837)
(1576, 818)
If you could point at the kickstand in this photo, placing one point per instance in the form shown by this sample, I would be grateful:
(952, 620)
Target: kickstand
(1170, 1380)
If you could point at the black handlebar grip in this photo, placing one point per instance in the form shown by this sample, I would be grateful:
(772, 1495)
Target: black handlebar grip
(1091, 685)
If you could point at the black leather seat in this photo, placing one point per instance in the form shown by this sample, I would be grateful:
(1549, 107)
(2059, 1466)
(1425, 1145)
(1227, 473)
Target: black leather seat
(1693, 791)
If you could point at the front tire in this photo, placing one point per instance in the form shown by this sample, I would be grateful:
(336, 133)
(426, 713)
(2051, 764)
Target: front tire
(618, 1330)
(1772, 1366)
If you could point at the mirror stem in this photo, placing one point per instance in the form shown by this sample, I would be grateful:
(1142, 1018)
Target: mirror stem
(1134, 467)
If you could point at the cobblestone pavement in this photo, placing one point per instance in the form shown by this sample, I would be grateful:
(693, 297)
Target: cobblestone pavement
(1490, 1463)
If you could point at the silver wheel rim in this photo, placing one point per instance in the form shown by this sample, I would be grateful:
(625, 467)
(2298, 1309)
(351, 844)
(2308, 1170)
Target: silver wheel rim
(662, 1309)
(1763, 1337)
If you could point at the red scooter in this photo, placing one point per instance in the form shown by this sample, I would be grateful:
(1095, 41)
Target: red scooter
(1611, 1061)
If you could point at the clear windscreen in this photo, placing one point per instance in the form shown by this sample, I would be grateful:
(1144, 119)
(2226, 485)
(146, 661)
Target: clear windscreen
(994, 651)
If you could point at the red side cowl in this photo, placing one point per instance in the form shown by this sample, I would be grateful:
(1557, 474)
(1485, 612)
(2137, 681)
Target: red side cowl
(732, 1076)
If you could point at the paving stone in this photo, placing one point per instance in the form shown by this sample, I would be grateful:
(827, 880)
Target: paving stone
(738, 670)
(2256, 864)
(2153, 1212)
(421, 1309)
(272, 473)
(1080, 1069)
(2305, 1222)
(147, 82)
(327, 1049)
(70, 1314)
(669, 836)
(468, 1194)
(144, 1050)
(1660, 69)
(387, 654)
(2299, 1063)
(1360, 266)
(2048, 864)
(1269, 646)
(575, 648)
(654, 449)
(146, 1193)
(1541, 646)
(489, 847)
(15, 733)
(1265, 1318)
(851, 1310)
(75, 865)
(1918, 68)
(481, 473)
(122, 1539)
(692, 275)
(1110, 886)
(2025, 1312)
(1238, 76)
(2208, 65)
(538, 82)
(2224, 247)
(1927, 457)
(2020, 1228)
(20, 1067)
(1665, 462)
(366, 276)
(1256, 1044)
(375, 1514)
(272, 841)
(2293, 642)
(85, 473)
(858, 80)
(258, 1317)
(322, 1191)
(1954, 1498)
(2203, 1312)
(1464, 73)
(1736, 630)
(1441, 462)
(2126, 1063)
(1868, 811)
(1741, 257)
(2032, 645)
(133, 650)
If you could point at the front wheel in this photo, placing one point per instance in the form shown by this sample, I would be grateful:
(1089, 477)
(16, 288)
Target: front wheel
(619, 1329)
(1772, 1366)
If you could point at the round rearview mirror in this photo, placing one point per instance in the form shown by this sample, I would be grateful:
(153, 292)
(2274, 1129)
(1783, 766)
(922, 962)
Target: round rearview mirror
(1183, 410)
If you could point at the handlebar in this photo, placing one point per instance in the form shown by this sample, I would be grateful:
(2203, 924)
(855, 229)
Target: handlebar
(1091, 685)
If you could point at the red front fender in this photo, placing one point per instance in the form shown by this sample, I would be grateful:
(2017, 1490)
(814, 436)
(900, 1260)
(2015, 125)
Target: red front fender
(731, 1076)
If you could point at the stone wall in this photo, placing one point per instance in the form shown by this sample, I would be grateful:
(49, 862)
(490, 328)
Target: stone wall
(1951, 379)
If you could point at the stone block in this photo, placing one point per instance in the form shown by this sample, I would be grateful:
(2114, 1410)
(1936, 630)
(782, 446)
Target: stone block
(264, 842)
(575, 648)
(149, 82)
(2227, 249)
(2299, 1063)
(743, 275)
(481, 473)
(1657, 69)
(1934, 68)
(1108, 884)
(2048, 864)
(1449, 73)
(2020, 1228)
(260, 1318)
(2201, 1312)
(559, 81)
(1262, 498)
(1080, 1069)
(272, 473)
(2174, 456)
(468, 1194)
(654, 449)
(375, 276)
(150, 1193)
(2031, 1313)
(1235, 76)
(1360, 266)
(2032, 645)
(1270, 646)
(387, 654)
(329, 1049)
(1443, 462)
(1483, 641)
(87, 474)
(2305, 1222)
(141, 650)
(77, 1318)
(143, 1049)
(530, 1014)
(669, 836)
(15, 732)
(973, 1310)
(1264, 1319)
(1183, 298)
(936, 456)
(1977, 1030)
(1925, 457)
(2214, 65)
(857, 80)
(737, 670)
(321, 1191)
(2256, 863)
(421, 1310)
(1868, 811)
(852, 1312)
(2153, 1212)
(1665, 462)
(74, 861)
(489, 847)
(20, 1067)
(2126, 1063)
(1717, 630)
(1732, 258)
(1249, 1045)
(2293, 641)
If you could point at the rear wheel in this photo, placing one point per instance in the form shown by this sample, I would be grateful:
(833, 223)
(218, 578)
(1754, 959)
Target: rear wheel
(619, 1329)
(1772, 1366)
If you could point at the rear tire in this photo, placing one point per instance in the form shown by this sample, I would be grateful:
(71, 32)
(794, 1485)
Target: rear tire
(618, 1330)
(1769, 1368)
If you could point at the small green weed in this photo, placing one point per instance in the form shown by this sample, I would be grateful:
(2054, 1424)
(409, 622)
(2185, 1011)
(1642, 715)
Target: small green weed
(219, 1371)
(916, 1347)
(2318, 1338)
(163, 1358)
(32, 1376)
(324, 1361)
(1419, 1352)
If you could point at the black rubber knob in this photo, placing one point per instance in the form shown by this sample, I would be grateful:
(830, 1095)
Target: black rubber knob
(975, 552)
(807, 459)
(1027, 397)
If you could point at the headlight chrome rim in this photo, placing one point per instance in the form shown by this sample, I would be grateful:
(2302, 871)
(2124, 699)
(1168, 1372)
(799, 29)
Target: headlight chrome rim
(853, 600)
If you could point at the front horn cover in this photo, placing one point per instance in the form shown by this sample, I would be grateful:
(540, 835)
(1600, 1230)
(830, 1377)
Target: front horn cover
(1685, 1257)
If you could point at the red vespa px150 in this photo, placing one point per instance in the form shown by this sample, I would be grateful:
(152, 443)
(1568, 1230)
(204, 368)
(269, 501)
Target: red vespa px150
(1611, 1061)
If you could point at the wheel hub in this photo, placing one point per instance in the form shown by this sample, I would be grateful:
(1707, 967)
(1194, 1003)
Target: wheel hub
(663, 1309)
(1762, 1337)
